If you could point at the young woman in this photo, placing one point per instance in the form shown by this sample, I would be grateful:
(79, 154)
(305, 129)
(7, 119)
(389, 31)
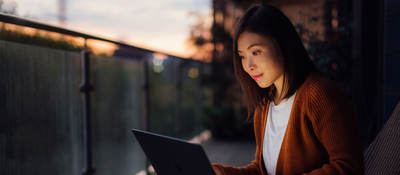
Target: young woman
(303, 124)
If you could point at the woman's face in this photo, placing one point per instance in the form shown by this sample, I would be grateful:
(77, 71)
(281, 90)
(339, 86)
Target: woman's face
(260, 59)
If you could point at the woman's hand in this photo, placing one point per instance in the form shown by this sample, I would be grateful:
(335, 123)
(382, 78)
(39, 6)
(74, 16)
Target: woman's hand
(217, 171)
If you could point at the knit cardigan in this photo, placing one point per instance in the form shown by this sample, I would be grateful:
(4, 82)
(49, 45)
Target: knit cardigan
(321, 136)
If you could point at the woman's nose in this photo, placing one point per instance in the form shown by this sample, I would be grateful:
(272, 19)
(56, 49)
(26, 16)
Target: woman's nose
(250, 64)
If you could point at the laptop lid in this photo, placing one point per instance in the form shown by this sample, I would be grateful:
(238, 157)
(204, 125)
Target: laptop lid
(172, 156)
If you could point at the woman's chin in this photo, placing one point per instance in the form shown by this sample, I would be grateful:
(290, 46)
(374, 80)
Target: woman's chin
(263, 85)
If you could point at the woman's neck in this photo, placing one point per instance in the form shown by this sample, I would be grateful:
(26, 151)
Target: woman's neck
(280, 94)
(277, 100)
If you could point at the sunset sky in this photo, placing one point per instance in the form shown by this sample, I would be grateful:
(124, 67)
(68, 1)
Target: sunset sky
(163, 25)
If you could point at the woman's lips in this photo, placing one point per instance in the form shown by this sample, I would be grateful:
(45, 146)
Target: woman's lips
(256, 77)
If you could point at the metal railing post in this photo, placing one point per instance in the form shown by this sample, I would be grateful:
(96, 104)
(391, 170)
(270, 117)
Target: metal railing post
(178, 106)
(146, 115)
(86, 88)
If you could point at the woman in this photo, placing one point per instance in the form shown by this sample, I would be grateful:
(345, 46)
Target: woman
(303, 124)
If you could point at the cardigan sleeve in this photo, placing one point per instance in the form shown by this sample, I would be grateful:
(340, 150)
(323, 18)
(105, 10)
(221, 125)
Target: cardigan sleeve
(250, 169)
(253, 168)
(333, 121)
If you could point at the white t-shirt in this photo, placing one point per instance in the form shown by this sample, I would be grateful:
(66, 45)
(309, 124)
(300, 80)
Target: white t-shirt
(278, 117)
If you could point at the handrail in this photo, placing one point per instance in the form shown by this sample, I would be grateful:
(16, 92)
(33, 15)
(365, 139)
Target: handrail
(12, 19)
(86, 87)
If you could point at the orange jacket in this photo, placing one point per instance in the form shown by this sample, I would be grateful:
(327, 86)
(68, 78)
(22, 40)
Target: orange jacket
(321, 136)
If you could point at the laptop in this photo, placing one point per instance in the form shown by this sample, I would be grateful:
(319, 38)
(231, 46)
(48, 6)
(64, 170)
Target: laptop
(172, 156)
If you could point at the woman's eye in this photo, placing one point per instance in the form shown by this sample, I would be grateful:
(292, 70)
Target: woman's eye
(241, 57)
(257, 52)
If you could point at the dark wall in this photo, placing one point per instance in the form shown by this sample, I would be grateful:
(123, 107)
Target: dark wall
(376, 68)
(367, 75)
(391, 56)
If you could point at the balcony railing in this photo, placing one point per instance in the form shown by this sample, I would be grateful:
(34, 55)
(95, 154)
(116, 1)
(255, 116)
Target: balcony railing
(65, 111)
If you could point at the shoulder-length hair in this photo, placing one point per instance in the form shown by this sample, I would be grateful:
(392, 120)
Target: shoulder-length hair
(270, 22)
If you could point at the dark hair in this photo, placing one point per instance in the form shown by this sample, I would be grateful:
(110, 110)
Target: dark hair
(270, 22)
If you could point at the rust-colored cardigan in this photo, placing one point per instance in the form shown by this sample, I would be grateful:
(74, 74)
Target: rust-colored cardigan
(321, 136)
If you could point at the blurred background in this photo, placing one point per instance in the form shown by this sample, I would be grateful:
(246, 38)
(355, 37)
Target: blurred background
(76, 76)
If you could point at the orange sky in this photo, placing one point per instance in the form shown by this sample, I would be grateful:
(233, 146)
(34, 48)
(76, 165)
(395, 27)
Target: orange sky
(162, 26)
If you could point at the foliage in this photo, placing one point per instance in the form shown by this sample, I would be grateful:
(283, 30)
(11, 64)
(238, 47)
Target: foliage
(39, 40)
